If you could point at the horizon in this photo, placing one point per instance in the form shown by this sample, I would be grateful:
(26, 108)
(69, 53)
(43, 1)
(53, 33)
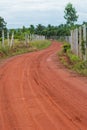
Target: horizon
(26, 12)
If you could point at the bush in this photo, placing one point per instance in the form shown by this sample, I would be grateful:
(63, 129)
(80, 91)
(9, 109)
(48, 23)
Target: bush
(0, 39)
(66, 47)
(40, 44)
(20, 47)
(72, 57)
(4, 50)
(83, 47)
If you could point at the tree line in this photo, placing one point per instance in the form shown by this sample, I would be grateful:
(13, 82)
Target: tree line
(70, 15)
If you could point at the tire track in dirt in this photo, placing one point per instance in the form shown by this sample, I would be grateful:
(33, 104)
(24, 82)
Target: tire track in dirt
(37, 94)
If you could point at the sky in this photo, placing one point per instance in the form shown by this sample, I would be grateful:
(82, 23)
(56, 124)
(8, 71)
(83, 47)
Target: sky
(19, 13)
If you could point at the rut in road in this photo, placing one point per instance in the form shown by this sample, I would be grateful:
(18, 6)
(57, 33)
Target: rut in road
(36, 93)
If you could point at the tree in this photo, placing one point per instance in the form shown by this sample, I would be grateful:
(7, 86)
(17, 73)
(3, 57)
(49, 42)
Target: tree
(32, 29)
(2, 25)
(39, 29)
(70, 14)
(24, 29)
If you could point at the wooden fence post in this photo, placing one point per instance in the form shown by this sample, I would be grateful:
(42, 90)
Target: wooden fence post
(12, 40)
(85, 41)
(8, 38)
(80, 41)
(72, 40)
(3, 38)
(76, 41)
(27, 38)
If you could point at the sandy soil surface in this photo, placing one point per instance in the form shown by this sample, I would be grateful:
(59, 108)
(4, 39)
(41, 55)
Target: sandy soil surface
(38, 93)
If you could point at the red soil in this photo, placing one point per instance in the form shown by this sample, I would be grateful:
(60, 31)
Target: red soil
(36, 93)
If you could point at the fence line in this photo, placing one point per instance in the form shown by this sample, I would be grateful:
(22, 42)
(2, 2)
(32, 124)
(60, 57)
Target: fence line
(27, 38)
(78, 41)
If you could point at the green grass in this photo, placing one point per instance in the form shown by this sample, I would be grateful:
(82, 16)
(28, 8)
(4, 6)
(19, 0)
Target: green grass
(40, 44)
(73, 62)
(20, 47)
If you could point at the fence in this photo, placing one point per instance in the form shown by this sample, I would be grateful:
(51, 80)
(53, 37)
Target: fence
(78, 41)
(27, 38)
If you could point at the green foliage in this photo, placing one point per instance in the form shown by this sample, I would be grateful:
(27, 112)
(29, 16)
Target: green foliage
(81, 67)
(0, 38)
(40, 44)
(39, 29)
(49, 31)
(83, 47)
(2, 25)
(72, 57)
(73, 62)
(70, 14)
(61, 30)
(20, 48)
(32, 29)
(4, 50)
(66, 46)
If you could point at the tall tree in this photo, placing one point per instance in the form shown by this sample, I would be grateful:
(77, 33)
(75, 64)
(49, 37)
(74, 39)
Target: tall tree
(2, 25)
(32, 29)
(70, 14)
(24, 29)
(39, 29)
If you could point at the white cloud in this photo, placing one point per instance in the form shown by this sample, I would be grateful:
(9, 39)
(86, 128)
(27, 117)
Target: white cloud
(25, 12)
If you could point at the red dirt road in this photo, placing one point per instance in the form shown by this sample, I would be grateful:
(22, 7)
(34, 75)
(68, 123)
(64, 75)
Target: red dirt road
(36, 93)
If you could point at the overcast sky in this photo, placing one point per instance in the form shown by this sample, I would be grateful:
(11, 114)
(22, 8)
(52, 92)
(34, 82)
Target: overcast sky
(26, 12)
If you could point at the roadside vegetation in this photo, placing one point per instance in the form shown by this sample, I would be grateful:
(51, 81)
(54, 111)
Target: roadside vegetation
(72, 61)
(20, 48)
(24, 43)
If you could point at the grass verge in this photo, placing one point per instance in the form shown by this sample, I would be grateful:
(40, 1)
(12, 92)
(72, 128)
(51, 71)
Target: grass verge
(20, 48)
(72, 61)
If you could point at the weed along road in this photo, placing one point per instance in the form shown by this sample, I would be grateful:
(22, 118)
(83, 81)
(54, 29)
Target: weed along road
(38, 93)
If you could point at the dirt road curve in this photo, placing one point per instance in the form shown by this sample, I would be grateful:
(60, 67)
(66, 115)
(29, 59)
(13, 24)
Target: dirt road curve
(36, 93)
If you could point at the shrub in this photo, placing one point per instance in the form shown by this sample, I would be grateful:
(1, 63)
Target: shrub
(72, 57)
(0, 38)
(4, 50)
(83, 47)
(66, 47)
